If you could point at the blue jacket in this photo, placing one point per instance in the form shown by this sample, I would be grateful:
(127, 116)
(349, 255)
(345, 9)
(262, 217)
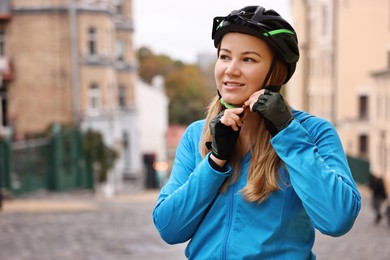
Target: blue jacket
(317, 192)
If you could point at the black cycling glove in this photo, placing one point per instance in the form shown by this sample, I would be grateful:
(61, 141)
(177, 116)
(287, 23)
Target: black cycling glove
(273, 109)
(224, 138)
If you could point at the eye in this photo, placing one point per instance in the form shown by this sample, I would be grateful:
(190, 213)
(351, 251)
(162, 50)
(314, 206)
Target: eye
(248, 59)
(223, 57)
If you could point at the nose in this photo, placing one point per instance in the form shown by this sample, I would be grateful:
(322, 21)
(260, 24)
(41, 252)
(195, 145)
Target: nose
(232, 69)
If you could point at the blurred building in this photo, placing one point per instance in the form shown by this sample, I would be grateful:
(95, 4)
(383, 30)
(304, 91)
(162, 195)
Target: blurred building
(152, 104)
(71, 62)
(343, 72)
(6, 70)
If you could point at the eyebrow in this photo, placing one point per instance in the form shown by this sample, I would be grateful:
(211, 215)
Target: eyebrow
(244, 53)
(251, 52)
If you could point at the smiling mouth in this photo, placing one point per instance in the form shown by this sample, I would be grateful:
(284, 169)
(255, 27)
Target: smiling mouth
(233, 84)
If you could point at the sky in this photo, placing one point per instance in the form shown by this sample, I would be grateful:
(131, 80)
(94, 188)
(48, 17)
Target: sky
(181, 29)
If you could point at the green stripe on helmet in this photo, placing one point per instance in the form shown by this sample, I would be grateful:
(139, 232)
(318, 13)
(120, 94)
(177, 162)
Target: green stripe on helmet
(278, 31)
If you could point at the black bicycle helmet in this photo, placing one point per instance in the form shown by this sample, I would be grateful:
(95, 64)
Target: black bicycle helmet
(267, 25)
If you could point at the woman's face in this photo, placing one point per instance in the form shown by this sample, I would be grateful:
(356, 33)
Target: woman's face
(242, 65)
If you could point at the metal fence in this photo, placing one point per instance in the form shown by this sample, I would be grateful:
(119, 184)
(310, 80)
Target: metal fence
(56, 163)
(29, 161)
(360, 169)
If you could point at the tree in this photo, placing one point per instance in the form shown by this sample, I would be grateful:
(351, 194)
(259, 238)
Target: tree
(151, 65)
(188, 91)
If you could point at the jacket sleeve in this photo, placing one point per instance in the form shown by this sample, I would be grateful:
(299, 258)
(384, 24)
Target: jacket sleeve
(188, 193)
(319, 173)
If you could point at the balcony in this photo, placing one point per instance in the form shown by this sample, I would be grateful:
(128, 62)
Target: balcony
(6, 72)
(5, 10)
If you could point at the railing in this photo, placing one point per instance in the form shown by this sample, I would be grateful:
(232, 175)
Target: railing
(29, 165)
(56, 163)
(360, 169)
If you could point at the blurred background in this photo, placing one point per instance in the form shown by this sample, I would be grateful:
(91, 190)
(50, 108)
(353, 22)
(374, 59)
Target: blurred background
(95, 95)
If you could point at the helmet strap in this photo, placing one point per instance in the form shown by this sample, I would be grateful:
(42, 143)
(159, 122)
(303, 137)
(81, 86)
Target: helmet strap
(219, 94)
(271, 68)
(223, 102)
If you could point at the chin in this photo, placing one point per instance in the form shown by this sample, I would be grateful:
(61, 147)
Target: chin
(235, 103)
(233, 100)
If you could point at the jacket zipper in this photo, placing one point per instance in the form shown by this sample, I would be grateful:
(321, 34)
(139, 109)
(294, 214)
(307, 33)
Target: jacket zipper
(230, 221)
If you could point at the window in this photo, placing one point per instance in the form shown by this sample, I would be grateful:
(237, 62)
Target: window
(382, 151)
(119, 6)
(94, 96)
(387, 108)
(122, 96)
(126, 142)
(363, 107)
(363, 146)
(2, 43)
(92, 41)
(324, 20)
(120, 50)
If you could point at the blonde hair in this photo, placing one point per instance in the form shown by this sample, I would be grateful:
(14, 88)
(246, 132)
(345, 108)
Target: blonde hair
(263, 169)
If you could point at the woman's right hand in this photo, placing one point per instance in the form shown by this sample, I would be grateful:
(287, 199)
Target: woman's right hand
(225, 129)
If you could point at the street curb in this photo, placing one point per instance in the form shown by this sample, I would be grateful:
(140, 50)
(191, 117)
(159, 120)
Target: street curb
(46, 206)
(73, 203)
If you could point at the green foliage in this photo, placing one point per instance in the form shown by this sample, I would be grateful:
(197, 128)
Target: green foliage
(188, 88)
(101, 157)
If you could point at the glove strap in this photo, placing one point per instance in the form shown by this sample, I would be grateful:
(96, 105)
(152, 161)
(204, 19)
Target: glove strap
(215, 166)
(270, 127)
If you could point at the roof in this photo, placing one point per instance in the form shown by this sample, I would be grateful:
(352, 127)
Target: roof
(174, 134)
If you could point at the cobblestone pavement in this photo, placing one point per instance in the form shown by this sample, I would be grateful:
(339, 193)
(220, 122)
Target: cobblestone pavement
(86, 227)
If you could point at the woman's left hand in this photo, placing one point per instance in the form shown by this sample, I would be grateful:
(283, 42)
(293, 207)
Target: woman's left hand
(253, 99)
(272, 107)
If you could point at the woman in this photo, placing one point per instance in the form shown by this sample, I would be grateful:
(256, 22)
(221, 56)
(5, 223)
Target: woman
(272, 174)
